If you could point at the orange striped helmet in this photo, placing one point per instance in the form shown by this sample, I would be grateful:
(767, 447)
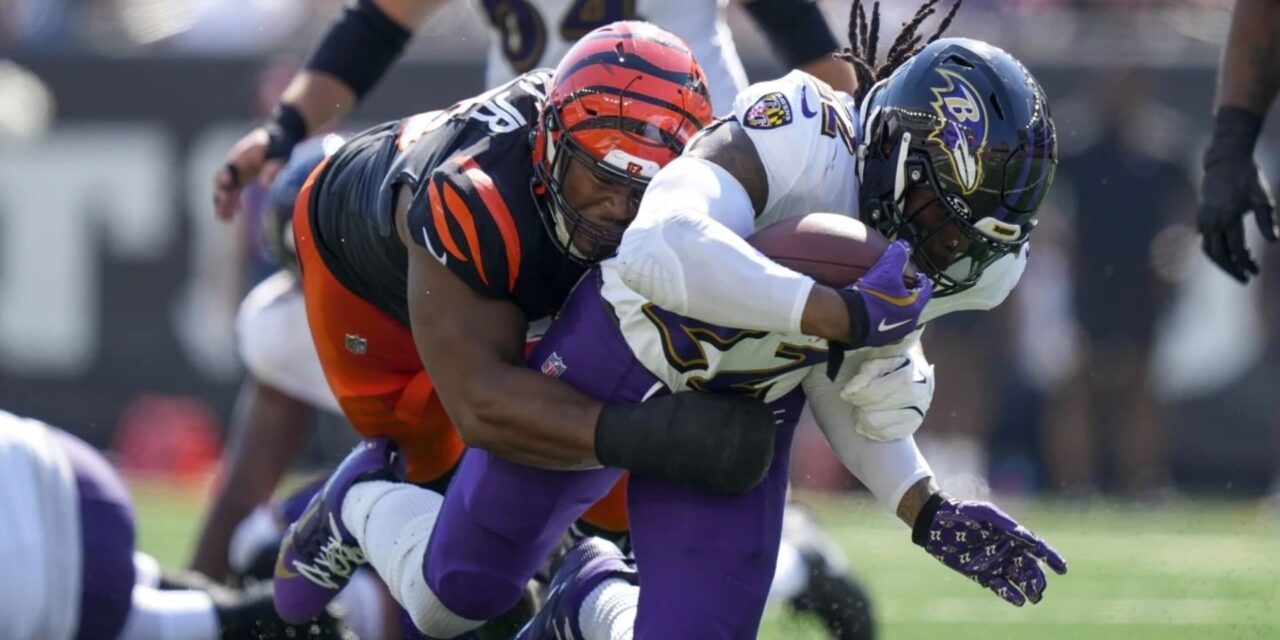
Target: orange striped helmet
(623, 103)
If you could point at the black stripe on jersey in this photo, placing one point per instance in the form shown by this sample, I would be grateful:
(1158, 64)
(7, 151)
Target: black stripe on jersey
(453, 205)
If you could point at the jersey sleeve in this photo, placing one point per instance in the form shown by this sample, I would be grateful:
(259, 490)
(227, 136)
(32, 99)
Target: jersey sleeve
(798, 127)
(461, 217)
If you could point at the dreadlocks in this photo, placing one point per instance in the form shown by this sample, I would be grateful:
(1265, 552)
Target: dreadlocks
(864, 39)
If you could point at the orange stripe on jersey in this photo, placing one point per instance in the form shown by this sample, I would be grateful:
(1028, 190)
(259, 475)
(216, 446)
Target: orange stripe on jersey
(501, 215)
(442, 226)
(456, 206)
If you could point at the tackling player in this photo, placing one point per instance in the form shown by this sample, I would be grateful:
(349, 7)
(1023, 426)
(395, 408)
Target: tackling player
(361, 45)
(959, 152)
(1232, 186)
(286, 386)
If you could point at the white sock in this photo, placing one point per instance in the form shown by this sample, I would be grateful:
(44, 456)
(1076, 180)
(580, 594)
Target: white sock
(609, 611)
(363, 599)
(393, 521)
(791, 577)
(170, 615)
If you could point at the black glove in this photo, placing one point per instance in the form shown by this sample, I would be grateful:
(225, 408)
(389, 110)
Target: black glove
(1232, 186)
(721, 443)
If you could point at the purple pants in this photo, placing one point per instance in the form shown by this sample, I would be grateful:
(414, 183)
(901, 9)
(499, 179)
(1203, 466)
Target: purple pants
(106, 537)
(706, 561)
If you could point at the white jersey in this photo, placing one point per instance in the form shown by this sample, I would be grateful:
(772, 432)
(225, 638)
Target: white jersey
(40, 545)
(531, 34)
(806, 136)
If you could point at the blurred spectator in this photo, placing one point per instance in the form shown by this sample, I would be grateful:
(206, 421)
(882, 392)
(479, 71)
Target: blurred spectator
(1126, 189)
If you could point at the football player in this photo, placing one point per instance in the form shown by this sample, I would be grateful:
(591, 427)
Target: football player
(286, 386)
(959, 151)
(71, 569)
(1247, 85)
(361, 45)
(436, 239)
(369, 36)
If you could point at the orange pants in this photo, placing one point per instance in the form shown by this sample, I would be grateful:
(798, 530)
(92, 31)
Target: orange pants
(373, 368)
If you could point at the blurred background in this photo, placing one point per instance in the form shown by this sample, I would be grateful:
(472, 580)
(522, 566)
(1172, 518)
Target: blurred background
(1128, 389)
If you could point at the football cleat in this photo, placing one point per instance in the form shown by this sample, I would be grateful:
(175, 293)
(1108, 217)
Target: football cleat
(318, 554)
(584, 567)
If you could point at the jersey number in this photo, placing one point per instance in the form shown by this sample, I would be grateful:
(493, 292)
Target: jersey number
(684, 342)
(836, 122)
(524, 32)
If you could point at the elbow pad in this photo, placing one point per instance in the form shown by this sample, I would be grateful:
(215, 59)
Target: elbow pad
(685, 252)
(718, 443)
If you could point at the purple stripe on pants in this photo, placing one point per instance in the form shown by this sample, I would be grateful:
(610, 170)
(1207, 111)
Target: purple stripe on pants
(106, 535)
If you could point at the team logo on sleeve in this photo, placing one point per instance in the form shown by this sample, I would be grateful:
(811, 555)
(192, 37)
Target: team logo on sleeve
(554, 365)
(963, 129)
(770, 111)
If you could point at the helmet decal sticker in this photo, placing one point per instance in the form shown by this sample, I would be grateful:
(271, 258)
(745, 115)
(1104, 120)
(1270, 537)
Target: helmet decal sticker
(962, 131)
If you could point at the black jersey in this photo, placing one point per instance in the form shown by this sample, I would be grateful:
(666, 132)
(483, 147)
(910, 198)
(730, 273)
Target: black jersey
(469, 169)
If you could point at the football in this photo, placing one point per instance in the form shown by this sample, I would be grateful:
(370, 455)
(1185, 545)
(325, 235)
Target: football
(831, 248)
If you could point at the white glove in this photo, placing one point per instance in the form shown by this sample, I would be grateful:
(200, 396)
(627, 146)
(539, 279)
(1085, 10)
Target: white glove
(890, 396)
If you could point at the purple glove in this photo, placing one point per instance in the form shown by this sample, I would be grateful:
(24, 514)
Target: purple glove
(882, 310)
(982, 542)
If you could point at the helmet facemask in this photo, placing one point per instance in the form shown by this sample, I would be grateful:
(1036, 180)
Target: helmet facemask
(982, 238)
(564, 222)
(894, 163)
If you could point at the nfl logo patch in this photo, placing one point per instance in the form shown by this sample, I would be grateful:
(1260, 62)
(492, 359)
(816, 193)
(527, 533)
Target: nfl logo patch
(770, 111)
(357, 345)
(554, 366)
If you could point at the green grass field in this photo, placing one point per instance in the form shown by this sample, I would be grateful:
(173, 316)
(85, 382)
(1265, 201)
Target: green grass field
(1187, 570)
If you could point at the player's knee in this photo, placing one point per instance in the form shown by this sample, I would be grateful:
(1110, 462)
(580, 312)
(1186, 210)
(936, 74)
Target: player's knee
(474, 594)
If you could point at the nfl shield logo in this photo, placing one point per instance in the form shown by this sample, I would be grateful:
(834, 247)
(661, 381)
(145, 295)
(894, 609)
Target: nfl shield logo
(554, 366)
(357, 345)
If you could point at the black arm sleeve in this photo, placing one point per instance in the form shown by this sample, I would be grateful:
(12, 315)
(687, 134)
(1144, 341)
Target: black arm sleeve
(795, 28)
(360, 47)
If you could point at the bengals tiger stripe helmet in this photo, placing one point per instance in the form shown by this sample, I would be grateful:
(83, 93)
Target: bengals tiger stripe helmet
(623, 102)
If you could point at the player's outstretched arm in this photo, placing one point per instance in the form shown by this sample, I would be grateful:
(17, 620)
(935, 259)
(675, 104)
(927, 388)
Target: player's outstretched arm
(268, 429)
(352, 56)
(981, 542)
(1232, 186)
(973, 538)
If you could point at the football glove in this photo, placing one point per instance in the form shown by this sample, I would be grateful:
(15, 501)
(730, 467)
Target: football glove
(1231, 187)
(890, 396)
(988, 546)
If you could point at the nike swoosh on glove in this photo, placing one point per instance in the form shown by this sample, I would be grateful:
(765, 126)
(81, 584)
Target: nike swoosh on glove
(985, 544)
(882, 309)
(890, 396)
